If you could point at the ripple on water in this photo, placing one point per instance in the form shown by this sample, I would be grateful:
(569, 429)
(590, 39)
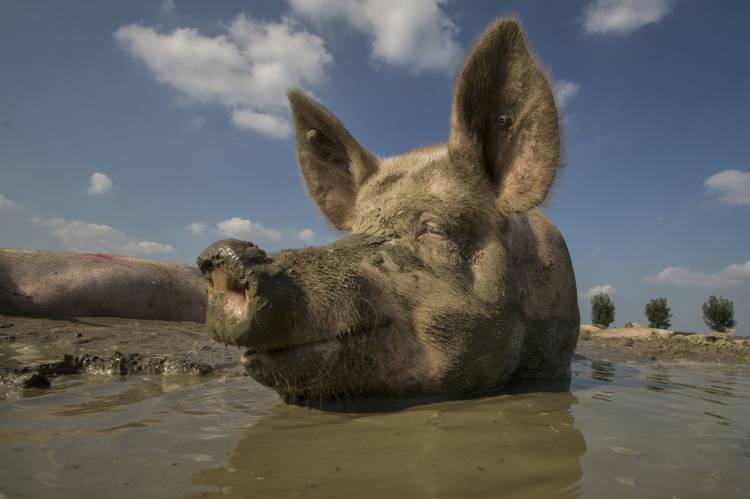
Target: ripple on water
(622, 430)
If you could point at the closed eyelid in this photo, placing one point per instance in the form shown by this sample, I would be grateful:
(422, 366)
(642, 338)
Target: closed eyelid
(431, 229)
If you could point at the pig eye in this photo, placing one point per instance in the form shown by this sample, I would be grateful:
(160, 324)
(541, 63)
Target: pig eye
(431, 230)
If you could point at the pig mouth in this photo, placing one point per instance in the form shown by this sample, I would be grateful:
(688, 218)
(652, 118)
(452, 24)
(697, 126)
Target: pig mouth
(250, 357)
(321, 346)
(236, 302)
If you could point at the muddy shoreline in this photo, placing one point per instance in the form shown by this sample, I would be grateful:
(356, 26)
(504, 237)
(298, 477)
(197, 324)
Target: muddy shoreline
(677, 347)
(34, 351)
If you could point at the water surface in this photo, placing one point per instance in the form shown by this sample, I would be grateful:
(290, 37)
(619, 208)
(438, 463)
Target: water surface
(621, 430)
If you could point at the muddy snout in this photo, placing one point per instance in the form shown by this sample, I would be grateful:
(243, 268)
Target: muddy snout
(246, 290)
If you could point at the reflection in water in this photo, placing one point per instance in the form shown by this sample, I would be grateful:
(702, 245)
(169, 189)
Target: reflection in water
(654, 432)
(602, 370)
(129, 437)
(621, 430)
(524, 443)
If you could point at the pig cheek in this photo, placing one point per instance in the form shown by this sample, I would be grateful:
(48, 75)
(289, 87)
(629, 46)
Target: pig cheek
(489, 273)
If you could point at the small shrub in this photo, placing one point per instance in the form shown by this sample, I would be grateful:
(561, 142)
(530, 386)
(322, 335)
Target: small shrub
(602, 310)
(718, 313)
(658, 313)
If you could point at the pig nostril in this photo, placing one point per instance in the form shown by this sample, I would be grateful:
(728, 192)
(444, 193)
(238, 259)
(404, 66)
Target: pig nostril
(228, 290)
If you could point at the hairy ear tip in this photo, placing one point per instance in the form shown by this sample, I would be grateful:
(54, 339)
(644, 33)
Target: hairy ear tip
(294, 94)
(298, 100)
(510, 24)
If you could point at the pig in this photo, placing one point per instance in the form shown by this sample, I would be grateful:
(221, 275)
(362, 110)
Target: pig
(59, 284)
(452, 279)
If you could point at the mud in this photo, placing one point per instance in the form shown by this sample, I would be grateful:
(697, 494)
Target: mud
(35, 351)
(675, 347)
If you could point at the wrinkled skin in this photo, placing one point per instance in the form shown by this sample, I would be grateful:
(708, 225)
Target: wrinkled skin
(452, 280)
(57, 284)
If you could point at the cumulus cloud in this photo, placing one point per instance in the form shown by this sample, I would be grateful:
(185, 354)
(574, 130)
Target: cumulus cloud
(242, 228)
(732, 275)
(306, 235)
(564, 91)
(197, 228)
(83, 236)
(267, 124)
(247, 69)
(416, 34)
(99, 183)
(6, 202)
(598, 289)
(731, 186)
(624, 16)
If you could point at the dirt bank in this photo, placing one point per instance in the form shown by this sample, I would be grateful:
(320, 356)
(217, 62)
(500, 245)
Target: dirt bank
(650, 344)
(33, 351)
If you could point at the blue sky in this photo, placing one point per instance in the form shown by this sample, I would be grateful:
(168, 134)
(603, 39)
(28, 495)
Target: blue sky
(153, 128)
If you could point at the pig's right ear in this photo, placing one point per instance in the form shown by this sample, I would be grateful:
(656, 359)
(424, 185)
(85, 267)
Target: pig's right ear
(333, 164)
(504, 118)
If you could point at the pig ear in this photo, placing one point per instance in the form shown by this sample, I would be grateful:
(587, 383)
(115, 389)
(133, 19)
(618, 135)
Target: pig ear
(333, 164)
(504, 118)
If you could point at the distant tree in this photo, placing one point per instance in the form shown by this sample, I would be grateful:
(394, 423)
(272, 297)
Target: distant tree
(719, 313)
(602, 310)
(658, 313)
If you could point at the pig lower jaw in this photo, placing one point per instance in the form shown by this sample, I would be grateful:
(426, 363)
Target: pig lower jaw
(252, 359)
(321, 347)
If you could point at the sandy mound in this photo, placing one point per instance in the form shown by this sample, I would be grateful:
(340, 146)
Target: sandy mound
(587, 329)
(591, 331)
(625, 332)
(644, 343)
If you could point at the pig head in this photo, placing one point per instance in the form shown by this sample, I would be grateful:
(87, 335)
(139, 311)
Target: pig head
(452, 279)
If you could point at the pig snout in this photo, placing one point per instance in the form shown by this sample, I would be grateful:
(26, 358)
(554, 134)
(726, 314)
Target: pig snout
(242, 283)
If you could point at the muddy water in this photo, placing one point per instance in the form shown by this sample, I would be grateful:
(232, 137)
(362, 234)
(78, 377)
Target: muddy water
(620, 430)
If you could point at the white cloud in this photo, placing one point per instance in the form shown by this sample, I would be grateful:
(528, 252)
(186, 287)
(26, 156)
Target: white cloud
(7, 202)
(99, 183)
(598, 289)
(267, 124)
(197, 228)
(242, 228)
(83, 236)
(624, 16)
(248, 69)
(306, 235)
(732, 275)
(564, 91)
(732, 186)
(415, 34)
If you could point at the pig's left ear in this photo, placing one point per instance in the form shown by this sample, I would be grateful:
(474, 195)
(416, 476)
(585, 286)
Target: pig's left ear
(504, 118)
(333, 164)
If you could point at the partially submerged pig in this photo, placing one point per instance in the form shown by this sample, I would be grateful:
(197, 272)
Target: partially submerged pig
(452, 280)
